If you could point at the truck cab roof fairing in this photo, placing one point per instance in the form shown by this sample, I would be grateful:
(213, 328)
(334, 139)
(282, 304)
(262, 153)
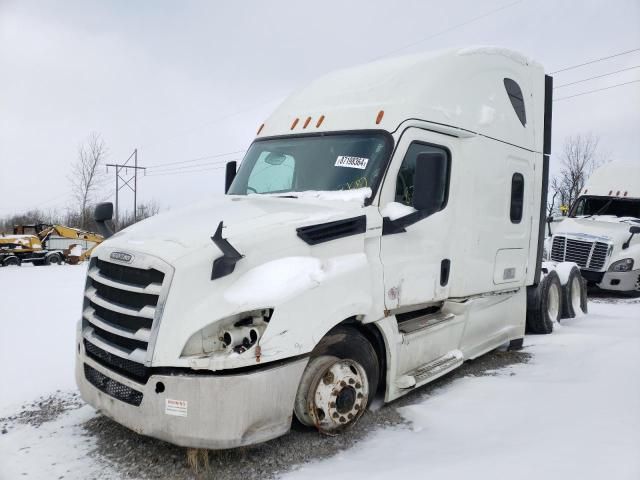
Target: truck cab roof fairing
(468, 92)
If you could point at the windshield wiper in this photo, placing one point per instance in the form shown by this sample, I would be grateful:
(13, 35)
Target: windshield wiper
(602, 209)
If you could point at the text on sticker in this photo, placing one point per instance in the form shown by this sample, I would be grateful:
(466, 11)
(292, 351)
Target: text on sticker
(178, 408)
(352, 162)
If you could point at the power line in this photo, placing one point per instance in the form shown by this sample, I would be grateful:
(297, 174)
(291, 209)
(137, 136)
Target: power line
(197, 159)
(453, 27)
(595, 61)
(597, 76)
(596, 90)
(187, 171)
(189, 167)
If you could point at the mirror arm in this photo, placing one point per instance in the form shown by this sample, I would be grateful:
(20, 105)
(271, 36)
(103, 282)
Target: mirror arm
(625, 245)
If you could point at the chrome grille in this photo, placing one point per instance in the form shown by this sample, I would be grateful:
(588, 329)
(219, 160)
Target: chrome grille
(587, 254)
(121, 312)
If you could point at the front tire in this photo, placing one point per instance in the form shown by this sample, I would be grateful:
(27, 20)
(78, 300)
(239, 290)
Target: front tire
(339, 382)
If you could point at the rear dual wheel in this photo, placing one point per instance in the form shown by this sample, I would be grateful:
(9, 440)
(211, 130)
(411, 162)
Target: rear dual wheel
(574, 295)
(544, 304)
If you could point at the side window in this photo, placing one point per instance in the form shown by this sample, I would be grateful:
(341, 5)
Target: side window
(439, 166)
(273, 172)
(517, 197)
(517, 99)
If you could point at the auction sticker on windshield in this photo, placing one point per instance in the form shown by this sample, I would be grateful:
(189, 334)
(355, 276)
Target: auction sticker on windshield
(352, 162)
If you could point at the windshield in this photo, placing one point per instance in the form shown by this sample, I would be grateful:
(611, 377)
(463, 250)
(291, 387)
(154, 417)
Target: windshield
(320, 163)
(619, 207)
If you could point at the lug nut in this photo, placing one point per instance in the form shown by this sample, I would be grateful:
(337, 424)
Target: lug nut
(358, 385)
(342, 419)
(335, 415)
(351, 381)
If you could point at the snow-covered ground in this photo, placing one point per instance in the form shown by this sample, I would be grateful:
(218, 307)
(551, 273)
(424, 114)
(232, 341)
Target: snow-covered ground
(573, 411)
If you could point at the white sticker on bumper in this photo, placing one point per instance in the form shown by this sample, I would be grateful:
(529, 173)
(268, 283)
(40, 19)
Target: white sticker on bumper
(177, 408)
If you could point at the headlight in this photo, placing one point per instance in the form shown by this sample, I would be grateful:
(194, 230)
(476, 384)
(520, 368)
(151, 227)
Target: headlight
(235, 334)
(624, 265)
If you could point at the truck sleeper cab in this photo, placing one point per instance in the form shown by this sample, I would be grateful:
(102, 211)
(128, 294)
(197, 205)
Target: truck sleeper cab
(384, 227)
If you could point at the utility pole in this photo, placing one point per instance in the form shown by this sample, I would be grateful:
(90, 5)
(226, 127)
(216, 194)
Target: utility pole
(127, 182)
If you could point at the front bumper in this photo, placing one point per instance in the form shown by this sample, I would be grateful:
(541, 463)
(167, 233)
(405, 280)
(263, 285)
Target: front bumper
(621, 281)
(205, 411)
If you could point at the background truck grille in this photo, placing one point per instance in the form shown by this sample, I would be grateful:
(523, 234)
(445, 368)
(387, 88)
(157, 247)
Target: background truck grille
(112, 387)
(119, 313)
(588, 255)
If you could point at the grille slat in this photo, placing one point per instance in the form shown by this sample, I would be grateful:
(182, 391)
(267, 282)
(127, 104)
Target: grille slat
(129, 275)
(587, 254)
(111, 387)
(124, 297)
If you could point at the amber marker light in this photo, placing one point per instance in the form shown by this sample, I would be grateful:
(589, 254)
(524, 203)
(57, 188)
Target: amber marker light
(295, 122)
(320, 120)
(306, 122)
(260, 129)
(379, 117)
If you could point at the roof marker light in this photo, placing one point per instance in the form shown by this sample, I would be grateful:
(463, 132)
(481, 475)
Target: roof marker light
(379, 117)
(260, 129)
(306, 122)
(618, 193)
(585, 191)
(610, 192)
(320, 120)
(625, 193)
(295, 122)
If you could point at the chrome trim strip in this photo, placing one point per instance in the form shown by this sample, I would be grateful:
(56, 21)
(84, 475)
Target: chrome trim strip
(143, 334)
(151, 289)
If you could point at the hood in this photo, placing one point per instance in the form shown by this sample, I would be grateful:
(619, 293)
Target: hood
(605, 227)
(179, 232)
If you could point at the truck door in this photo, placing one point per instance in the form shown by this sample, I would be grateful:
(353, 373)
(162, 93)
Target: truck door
(416, 246)
(417, 249)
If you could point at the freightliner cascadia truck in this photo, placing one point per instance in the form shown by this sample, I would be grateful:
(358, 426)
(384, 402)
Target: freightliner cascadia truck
(601, 233)
(385, 225)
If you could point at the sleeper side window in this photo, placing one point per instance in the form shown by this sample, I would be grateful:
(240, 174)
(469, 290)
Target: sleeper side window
(438, 164)
(517, 197)
(517, 99)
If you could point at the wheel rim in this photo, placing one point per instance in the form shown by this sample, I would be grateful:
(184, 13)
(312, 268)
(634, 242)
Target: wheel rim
(553, 302)
(576, 295)
(339, 396)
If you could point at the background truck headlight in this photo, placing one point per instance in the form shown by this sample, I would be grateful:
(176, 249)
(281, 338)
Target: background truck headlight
(624, 265)
(235, 334)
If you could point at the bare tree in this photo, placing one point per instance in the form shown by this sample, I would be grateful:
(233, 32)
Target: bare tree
(145, 210)
(86, 176)
(579, 158)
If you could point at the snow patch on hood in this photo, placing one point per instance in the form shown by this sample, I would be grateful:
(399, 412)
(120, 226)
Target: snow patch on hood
(284, 278)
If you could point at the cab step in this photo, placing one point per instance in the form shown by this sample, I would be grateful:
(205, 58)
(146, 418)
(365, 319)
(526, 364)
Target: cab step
(431, 371)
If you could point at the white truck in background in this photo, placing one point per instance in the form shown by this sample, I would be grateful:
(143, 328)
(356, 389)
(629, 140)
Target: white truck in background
(386, 225)
(602, 231)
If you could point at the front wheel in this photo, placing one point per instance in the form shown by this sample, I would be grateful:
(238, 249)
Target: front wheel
(339, 382)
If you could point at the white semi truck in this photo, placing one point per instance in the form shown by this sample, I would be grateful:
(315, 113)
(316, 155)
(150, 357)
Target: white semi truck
(601, 233)
(386, 225)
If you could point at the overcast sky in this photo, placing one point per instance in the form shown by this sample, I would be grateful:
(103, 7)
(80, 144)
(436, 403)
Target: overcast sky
(180, 80)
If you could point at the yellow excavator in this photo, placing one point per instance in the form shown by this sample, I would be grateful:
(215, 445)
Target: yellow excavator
(44, 244)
